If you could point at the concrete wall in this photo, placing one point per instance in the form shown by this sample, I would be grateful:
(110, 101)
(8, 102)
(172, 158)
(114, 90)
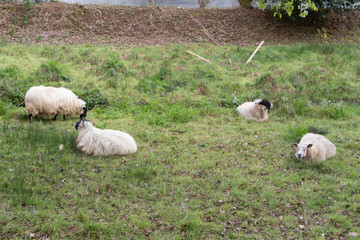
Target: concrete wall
(163, 3)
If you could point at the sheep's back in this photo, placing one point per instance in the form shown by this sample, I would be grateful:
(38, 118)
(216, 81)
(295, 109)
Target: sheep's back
(246, 109)
(105, 142)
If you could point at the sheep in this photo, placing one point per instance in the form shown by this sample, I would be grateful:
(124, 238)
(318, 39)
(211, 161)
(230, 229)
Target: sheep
(315, 148)
(46, 101)
(257, 110)
(92, 140)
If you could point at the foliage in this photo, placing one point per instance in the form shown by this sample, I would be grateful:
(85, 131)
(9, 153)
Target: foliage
(278, 6)
(12, 85)
(93, 98)
(301, 8)
(52, 71)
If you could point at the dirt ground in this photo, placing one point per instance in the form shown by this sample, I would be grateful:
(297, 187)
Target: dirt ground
(58, 23)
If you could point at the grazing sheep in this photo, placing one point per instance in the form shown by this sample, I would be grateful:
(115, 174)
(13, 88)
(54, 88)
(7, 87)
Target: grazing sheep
(47, 101)
(315, 148)
(257, 110)
(92, 140)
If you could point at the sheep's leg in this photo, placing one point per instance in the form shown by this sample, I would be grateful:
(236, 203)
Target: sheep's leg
(64, 117)
(54, 119)
(30, 117)
(36, 117)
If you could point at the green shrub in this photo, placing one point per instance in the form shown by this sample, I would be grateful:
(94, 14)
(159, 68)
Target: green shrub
(336, 112)
(318, 130)
(300, 106)
(295, 133)
(94, 98)
(2, 108)
(52, 71)
(12, 85)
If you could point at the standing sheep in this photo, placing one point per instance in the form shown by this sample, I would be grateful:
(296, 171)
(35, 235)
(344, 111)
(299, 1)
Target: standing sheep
(315, 148)
(257, 110)
(47, 101)
(92, 140)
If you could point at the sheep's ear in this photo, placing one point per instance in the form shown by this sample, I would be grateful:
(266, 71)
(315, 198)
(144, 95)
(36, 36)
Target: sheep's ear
(309, 146)
(295, 145)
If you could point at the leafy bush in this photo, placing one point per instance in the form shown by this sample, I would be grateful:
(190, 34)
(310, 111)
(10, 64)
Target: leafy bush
(52, 71)
(2, 108)
(300, 106)
(318, 130)
(336, 112)
(298, 9)
(94, 98)
(12, 86)
(295, 133)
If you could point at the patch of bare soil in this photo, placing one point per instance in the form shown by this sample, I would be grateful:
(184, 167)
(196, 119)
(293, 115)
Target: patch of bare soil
(98, 24)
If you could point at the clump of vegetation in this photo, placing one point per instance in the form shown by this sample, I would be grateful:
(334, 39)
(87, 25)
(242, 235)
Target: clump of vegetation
(94, 98)
(318, 130)
(295, 133)
(52, 71)
(13, 86)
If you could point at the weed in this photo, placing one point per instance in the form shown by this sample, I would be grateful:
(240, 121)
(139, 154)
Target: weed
(300, 106)
(52, 71)
(295, 133)
(318, 130)
(94, 98)
(322, 34)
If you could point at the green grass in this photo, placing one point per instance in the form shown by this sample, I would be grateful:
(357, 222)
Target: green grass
(200, 171)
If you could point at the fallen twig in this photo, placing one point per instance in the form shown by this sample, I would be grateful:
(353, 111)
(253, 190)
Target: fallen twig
(252, 55)
(199, 56)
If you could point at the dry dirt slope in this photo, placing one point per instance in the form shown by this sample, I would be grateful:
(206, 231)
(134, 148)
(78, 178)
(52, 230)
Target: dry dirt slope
(65, 23)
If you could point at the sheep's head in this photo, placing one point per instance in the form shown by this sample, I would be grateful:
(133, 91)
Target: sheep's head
(83, 115)
(266, 103)
(301, 150)
(83, 123)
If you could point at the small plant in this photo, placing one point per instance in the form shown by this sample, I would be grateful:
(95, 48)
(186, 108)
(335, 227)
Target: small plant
(295, 133)
(322, 34)
(203, 3)
(318, 130)
(12, 85)
(336, 112)
(2, 108)
(94, 98)
(300, 106)
(52, 71)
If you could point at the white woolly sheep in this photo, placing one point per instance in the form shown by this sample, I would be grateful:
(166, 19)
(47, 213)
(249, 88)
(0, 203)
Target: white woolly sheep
(257, 110)
(315, 148)
(92, 140)
(47, 101)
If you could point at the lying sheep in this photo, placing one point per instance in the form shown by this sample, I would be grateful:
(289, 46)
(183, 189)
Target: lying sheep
(257, 110)
(92, 140)
(315, 148)
(47, 101)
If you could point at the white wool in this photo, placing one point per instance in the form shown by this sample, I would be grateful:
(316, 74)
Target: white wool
(92, 140)
(253, 111)
(47, 101)
(321, 148)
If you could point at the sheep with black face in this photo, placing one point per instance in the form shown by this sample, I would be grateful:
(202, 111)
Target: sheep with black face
(95, 141)
(315, 148)
(47, 101)
(257, 110)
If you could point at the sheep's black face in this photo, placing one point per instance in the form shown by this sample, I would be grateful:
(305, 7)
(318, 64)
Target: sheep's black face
(77, 124)
(83, 115)
(266, 103)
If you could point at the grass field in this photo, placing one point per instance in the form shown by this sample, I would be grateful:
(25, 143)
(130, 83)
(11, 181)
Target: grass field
(200, 171)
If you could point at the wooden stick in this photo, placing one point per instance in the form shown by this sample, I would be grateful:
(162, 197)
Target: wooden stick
(198, 56)
(254, 52)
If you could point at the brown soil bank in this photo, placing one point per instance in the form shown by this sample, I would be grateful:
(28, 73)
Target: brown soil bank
(97, 24)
